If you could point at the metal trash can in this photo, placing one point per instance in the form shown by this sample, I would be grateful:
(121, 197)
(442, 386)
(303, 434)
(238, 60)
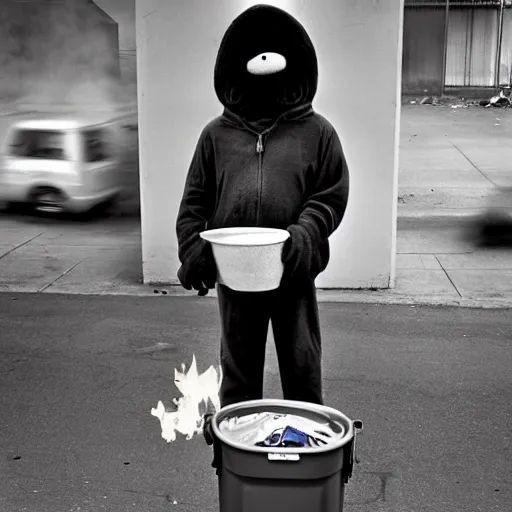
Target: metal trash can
(299, 479)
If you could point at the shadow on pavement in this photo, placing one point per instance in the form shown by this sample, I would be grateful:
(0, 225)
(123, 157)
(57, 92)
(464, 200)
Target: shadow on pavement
(25, 214)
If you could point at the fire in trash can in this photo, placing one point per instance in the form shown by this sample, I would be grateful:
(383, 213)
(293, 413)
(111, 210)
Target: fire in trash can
(200, 393)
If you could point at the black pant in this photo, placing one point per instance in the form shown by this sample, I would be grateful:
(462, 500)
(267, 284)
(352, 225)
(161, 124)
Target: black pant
(245, 316)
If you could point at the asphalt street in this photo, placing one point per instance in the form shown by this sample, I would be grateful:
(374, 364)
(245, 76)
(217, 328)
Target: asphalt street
(80, 374)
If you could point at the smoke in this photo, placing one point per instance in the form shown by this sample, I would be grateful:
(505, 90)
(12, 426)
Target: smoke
(200, 395)
(59, 52)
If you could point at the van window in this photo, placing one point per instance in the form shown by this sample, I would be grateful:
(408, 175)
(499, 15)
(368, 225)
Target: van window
(45, 144)
(96, 145)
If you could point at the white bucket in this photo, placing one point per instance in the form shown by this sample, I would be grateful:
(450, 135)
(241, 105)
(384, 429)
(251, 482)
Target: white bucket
(248, 259)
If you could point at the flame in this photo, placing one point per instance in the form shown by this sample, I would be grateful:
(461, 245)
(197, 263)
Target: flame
(200, 395)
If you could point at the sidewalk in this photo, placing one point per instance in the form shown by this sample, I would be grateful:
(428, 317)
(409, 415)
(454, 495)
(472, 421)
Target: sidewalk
(452, 162)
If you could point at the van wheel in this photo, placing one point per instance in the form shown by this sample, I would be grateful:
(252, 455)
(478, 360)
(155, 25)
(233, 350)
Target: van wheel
(48, 200)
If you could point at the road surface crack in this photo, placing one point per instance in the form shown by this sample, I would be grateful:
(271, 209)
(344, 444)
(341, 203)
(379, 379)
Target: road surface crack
(446, 274)
(480, 171)
(46, 286)
(21, 245)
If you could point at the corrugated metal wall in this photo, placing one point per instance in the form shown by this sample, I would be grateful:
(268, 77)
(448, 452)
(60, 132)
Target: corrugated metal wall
(506, 49)
(423, 50)
(471, 47)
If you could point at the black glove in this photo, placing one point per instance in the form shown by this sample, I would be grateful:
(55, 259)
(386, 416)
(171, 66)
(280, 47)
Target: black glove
(199, 272)
(208, 434)
(300, 254)
(209, 437)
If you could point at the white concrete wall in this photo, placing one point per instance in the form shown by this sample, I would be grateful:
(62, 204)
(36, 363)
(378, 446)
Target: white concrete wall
(359, 51)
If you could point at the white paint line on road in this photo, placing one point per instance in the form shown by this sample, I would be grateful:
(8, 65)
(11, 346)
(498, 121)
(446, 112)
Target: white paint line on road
(21, 245)
(46, 286)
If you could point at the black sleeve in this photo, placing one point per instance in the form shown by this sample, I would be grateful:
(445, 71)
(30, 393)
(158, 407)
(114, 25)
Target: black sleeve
(306, 252)
(198, 200)
(325, 206)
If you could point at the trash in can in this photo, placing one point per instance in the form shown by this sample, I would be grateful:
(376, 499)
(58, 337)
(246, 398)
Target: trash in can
(258, 428)
(259, 471)
(289, 436)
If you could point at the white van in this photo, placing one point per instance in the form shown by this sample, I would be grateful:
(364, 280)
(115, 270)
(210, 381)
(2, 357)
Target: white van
(61, 165)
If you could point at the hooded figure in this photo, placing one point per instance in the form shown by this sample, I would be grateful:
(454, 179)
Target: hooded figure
(266, 65)
(268, 161)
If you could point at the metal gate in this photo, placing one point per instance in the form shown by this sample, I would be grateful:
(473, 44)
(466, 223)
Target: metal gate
(473, 50)
(423, 49)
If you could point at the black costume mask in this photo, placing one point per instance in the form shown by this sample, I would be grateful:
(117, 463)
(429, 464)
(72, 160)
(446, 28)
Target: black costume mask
(266, 64)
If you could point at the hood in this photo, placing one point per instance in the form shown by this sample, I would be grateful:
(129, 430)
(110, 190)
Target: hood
(258, 30)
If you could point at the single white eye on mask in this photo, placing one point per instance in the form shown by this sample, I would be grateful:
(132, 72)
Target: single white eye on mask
(266, 64)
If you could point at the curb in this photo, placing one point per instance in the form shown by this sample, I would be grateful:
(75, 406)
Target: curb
(384, 297)
(117, 112)
(462, 213)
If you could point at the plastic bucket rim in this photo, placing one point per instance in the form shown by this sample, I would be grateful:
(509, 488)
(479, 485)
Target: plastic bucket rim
(210, 234)
(349, 433)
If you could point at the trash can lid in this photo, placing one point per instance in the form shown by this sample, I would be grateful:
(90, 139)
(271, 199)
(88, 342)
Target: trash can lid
(241, 425)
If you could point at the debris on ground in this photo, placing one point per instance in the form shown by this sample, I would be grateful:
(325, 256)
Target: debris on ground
(502, 99)
(444, 101)
(403, 198)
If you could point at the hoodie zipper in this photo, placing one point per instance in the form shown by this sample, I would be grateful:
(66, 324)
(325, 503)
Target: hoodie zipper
(259, 151)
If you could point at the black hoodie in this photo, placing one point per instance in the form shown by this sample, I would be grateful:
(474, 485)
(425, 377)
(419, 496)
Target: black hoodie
(267, 163)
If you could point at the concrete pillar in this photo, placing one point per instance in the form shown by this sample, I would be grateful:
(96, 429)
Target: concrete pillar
(359, 48)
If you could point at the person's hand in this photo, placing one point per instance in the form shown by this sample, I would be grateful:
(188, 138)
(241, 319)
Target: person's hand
(197, 279)
(297, 253)
(199, 273)
(208, 433)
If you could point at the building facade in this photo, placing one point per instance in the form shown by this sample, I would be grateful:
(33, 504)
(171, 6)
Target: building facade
(453, 45)
(50, 47)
